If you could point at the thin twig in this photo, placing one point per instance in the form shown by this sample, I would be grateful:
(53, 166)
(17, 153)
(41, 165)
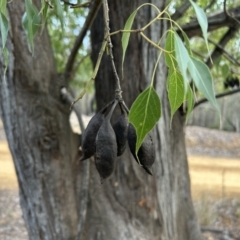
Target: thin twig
(49, 4)
(220, 95)
(78, 64)
(215, 22)
(223, 41)
(227, 13)
(209, 5)
(94, 74)
(78, 43)
(181, 10)
(68, 98)
(225, 53)
(110, 46)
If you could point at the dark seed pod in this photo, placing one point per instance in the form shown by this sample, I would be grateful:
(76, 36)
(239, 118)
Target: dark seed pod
(90, 133)
(106, 148)
(146, 153)
(120, 128)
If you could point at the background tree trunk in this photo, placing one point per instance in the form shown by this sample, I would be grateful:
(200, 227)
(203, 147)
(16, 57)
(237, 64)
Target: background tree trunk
(158, 207)
(39, 135)
(130, 204)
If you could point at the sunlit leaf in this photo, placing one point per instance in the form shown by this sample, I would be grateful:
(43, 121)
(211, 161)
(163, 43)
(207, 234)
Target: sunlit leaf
(170, 47)
(3, 28)
(44, 11)
(225, 70)
(182, 59)
(144, 113)
(202, 20)
(202, 78)
(59, 10)
(175, 90)
(126, 35)
(187, 43)
(31, 22)
(3, 5)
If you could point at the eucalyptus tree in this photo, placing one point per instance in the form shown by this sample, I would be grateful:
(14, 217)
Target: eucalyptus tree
(62, 198)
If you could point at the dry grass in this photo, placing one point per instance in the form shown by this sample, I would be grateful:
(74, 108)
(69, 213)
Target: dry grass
(218, 177)
(215, 184)
(8, 179)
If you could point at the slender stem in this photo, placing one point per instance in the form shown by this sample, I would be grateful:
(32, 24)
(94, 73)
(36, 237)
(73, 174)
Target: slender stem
(79, 40)
(124, 31)
(118, 93)
(153, 43)
(220, 95)
(89, 83)
(155, 68)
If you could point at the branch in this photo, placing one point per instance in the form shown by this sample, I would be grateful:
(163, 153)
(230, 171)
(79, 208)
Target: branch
(220, 95)
(214, 22)
(208, 229)
(219, 49)
(85, 173)
(227, 13)
(209, 5)
(118, 91)
(89, 20)
(181, 10)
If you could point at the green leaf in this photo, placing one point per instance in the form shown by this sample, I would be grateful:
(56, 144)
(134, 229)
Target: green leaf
(170, 47)
(3, 28)
(202, 20)
(3, 6)
(144, 113)
(202, 78)
(182, 59)
(126, 35)
(187, 42)
(31, 22)
(175, 90)
(44, 11)
(59, 10)
(225, 70)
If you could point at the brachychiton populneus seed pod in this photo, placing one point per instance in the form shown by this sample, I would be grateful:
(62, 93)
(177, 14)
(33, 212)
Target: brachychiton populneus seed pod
(106, 147)
(146, 153)
(90, 133)
(120, 128)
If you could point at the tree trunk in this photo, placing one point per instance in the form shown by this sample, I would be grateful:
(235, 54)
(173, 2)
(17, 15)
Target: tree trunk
(143, 207)
(39, 135)
(130, 204)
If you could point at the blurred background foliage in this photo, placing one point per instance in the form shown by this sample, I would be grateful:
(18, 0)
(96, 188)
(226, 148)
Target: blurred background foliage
(63, 40)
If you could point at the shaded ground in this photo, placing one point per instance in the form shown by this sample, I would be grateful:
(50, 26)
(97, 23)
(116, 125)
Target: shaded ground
(215, 176)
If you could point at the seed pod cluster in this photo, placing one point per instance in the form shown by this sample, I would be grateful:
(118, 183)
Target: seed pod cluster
(107, 142)
(121, 129)
(90, 133)
(146, 153)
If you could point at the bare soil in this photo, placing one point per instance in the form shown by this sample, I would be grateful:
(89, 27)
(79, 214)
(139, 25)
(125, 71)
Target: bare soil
(214, 168)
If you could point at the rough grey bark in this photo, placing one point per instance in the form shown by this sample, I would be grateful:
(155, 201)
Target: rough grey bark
(39, 136)
(168, 210)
